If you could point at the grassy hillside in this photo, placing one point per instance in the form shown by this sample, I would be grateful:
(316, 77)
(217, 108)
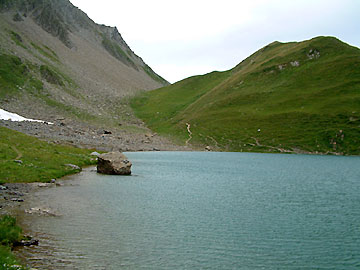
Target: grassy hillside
(27, 159)
(286, 97)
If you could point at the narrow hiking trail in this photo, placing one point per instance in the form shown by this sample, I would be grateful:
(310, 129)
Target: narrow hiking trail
(19, 154)
(188, 126)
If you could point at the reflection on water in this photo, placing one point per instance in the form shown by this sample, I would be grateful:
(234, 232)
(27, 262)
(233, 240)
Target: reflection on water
(204, 211)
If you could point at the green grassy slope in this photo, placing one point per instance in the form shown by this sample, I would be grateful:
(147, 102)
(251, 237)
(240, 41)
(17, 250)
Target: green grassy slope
(40, 161)
(285, 97)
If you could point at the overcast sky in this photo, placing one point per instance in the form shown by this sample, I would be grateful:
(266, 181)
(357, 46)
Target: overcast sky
(179, 39)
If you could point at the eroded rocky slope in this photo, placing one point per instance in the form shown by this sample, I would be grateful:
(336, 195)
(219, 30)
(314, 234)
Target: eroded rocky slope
(58, 65)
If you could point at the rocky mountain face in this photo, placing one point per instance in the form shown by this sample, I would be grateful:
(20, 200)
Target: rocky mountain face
(60, 18)
(57, 65)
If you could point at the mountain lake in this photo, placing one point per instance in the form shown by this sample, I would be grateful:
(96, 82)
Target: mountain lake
(203, 210)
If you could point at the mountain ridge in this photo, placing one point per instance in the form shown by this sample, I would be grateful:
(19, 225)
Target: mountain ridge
(293, 97)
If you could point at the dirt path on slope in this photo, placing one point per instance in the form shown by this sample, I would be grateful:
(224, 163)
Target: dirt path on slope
(19, 154)
(188, 126)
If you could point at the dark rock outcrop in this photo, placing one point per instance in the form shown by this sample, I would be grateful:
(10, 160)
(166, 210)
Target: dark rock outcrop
(27, 243)
(114, 163)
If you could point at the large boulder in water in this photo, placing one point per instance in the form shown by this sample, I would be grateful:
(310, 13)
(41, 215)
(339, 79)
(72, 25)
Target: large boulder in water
(114, 163)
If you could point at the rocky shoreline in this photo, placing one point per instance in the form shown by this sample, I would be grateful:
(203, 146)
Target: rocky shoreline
(12, 195)
(15, 197)
(67, 131)
(82, 135)
(21, 200)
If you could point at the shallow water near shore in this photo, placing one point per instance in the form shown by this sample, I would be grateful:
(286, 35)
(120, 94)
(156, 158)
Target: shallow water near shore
(197, 210)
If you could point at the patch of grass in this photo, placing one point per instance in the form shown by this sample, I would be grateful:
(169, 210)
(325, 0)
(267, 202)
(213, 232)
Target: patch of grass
(154, 76)
(9, 231)
(70, 82)
(50, 75)
(115, 50)
(8, 260)
(47, 52)
(51, 51)
(17, 76)
(17, 39)
(13, 75)
(9, 234)
(41, 161)
(82, 115)
(285, 96)
(54, 75)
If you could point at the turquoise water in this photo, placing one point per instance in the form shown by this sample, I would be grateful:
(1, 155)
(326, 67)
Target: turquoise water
(184, 210)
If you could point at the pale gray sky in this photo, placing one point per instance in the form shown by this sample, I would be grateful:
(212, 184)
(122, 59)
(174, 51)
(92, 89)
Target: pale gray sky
(179, 39)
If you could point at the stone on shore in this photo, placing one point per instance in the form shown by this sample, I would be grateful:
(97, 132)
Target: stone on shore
(114, 163)
(27, 243)
(74, 167)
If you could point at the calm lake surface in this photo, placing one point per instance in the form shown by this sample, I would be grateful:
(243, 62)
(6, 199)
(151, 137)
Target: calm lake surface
(197, 210)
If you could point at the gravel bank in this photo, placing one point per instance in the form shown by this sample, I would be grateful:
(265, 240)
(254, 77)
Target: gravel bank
(87, 136)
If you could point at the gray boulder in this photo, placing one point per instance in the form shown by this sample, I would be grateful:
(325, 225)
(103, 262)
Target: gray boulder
(114, 163)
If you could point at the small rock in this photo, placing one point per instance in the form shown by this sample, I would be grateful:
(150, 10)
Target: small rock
(96, 154)
(18, 161)
(352, 119)
(27, 243)
(208, 148)
(15, 193)
(43, 185)
(53, 181)
(75, 167)
(107, 132)
(3, 187)
(156, 149)
(40, 211)
(313, 53)
(281, 67)
(16, 200)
